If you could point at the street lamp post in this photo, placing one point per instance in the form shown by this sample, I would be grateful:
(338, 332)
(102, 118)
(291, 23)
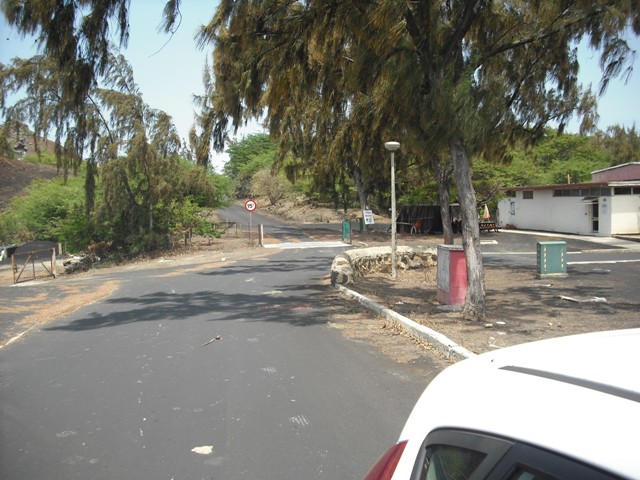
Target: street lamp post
(392, 147)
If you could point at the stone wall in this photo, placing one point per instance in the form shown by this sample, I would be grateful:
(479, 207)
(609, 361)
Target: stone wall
(363, 261)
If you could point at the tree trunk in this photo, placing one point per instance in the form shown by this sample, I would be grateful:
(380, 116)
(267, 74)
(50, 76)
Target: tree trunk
(474, 308)
(89, 189)
(362, 195)
(443, 171)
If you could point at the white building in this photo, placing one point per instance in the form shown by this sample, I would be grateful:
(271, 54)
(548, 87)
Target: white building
(609, 205)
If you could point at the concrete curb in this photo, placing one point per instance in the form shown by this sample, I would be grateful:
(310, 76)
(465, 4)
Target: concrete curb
(451, 349)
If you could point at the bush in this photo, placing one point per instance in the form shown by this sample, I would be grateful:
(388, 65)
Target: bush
(42, 212)
(274, 187)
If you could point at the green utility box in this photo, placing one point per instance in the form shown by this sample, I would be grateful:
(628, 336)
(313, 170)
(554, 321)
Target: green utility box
(346, 231)
(552, 259)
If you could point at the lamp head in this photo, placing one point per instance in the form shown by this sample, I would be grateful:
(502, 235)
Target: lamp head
(392, 146)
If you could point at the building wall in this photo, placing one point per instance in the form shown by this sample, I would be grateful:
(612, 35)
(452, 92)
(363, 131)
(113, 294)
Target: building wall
(546, 212)
(606, 208)
(618, 214)
(625, 218)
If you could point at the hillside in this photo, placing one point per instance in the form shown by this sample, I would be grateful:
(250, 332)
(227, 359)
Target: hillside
(16, 175)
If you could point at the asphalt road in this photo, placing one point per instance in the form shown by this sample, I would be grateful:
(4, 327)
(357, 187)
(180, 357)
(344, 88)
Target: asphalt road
(224, 373)
(617, 262)
(281, 232)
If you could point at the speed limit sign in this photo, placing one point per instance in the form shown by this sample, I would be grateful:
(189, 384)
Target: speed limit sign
(250, 205)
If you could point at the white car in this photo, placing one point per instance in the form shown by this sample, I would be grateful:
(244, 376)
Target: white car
(565, 408)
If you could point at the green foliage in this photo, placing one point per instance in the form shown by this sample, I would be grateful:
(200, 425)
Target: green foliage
(247, 157)
(187, 217)
(193, 181)
(41, 213)
(556, 159)
(224, 188)
(45, 157)
(53, 210)
(621, 144)
(302, 186)
(424, 193)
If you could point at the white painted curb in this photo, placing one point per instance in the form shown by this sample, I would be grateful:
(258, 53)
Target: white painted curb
(447, 346)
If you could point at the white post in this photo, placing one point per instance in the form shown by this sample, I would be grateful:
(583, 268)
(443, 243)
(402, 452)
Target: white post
(392, 147)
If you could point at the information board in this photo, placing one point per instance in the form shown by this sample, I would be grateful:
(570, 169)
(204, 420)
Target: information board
(368, 217)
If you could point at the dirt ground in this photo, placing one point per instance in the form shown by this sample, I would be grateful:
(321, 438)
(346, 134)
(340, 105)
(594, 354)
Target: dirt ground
(16, 175)
(520, 308)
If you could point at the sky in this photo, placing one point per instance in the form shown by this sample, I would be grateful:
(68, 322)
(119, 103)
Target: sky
(168, 70)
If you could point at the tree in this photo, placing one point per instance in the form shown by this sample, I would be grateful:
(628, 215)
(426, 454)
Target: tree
(265, 183)
(622, 143)
(133, 148)
(247, 157)
(461, 77)
(76, 35)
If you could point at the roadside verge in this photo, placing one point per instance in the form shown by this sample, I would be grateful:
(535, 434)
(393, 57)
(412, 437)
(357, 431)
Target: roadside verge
(448, 347)
(355, 262)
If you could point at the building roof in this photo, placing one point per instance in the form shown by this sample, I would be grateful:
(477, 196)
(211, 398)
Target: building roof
(560, 186)
(622, 165)
(617, 173)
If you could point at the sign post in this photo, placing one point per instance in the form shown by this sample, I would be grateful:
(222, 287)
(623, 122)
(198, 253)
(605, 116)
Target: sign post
(250, 206)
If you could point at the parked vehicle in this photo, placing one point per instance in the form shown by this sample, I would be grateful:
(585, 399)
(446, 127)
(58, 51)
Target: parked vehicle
(565, 408)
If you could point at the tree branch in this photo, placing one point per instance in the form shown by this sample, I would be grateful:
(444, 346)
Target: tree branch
(537, 37)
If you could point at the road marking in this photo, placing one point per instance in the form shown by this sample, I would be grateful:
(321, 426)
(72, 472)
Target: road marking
(290, 245)
(300, 420)
(272, 292)
(603, 262)
(523, 253)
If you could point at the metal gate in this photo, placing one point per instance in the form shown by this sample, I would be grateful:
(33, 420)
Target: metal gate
(45, 258)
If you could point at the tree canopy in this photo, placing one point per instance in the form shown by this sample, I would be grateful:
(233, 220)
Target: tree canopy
(113, 135)
(450, 79)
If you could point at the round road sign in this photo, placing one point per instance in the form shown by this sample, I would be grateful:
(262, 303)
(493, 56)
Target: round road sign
(250, 205)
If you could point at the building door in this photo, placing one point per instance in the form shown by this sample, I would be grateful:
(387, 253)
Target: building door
(595, 208)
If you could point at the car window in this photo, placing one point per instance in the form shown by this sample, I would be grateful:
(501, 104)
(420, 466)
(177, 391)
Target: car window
(525, 474)
(445, 462)
(528, 462)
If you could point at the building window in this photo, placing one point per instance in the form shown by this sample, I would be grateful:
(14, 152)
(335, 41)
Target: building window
(622, 190)
(527, 194)
(510, 194)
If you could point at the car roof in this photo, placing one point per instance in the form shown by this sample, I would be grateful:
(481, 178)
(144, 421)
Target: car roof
(577, 395)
